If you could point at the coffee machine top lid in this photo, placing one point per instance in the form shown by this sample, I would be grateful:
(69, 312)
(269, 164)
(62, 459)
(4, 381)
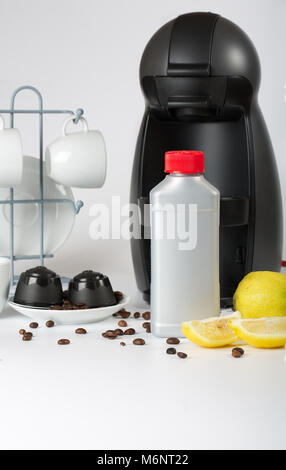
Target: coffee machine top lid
(200, 45)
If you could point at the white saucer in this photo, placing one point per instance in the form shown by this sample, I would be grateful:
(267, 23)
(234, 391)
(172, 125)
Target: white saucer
(69, 317)
(58, 217)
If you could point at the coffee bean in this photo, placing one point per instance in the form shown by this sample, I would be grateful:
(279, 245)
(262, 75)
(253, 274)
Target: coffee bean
(22, 331)
(146, 315)
(171, 351)
(130, 331)
(125, 314)
(26, 337)
(237, 352)
(122, 313)
(34, 324)
(58, 307)
(68, 307)
(110, 334)
(139, 341)
(104, 334)
(182, 355)
(172, 341)
(119, 331)
(136, 315)
(122, 323)
(146, 324)
(28, 333)
(50, 323)
(80, 331)
(122, 343)
(148, 329)
(118, 295)
(63, 341)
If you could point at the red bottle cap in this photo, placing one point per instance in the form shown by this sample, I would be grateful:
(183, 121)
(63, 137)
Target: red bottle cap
(184, 161)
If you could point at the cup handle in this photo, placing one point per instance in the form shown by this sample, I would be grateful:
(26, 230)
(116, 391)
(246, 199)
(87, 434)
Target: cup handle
(71, 118)
(2, 123)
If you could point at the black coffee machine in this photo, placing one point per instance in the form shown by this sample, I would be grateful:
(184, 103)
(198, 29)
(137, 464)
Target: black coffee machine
(200, 76)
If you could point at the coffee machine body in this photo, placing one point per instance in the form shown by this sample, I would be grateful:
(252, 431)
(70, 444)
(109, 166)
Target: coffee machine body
(200, 76)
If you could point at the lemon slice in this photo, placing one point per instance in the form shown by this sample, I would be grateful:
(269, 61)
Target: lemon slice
(212, 332)
(261, 332)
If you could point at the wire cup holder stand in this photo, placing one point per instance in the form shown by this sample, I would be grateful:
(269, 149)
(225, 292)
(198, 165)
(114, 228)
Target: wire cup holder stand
(42, 200)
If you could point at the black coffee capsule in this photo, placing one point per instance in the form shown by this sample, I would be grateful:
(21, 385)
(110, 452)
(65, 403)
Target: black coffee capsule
(39, 287)
(91, 288)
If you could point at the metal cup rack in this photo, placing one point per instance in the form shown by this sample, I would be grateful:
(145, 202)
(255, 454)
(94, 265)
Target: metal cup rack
(41, 201)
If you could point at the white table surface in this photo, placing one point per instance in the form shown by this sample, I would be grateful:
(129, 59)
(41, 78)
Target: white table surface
(96, 394)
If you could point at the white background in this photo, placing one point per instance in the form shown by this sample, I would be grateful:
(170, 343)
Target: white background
(86, 53)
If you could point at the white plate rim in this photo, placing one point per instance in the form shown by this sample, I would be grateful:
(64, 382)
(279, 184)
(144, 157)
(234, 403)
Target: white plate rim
(62, 314)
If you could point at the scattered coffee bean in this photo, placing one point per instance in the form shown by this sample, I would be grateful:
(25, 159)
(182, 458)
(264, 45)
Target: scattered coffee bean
(171, 351)
(28, 333)
(182, 355)
(146, 324)
(237, 352)
(63, 341)
(172, 341)
(118, 295)
(119, 332)
(148, 328)
(139, 341)
(110, 334)
(50, 323)
(136, 315)
(130, 331)
(146, 315)
(26, 337)
(104, 334)
(22, 331)
(122, 313)
(122, 343)
(80, 331)
(34, 324)
(122, 323)
(68, 307)
(125, 314)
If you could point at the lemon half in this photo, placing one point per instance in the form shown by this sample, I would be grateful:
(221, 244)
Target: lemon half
(261, 332)
(212, 332)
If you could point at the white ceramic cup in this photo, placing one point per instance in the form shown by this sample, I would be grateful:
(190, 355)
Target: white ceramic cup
(77, 159)
(11, 156)
(4, 281)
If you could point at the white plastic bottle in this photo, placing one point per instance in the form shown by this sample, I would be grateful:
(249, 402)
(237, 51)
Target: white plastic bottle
(184, 245)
